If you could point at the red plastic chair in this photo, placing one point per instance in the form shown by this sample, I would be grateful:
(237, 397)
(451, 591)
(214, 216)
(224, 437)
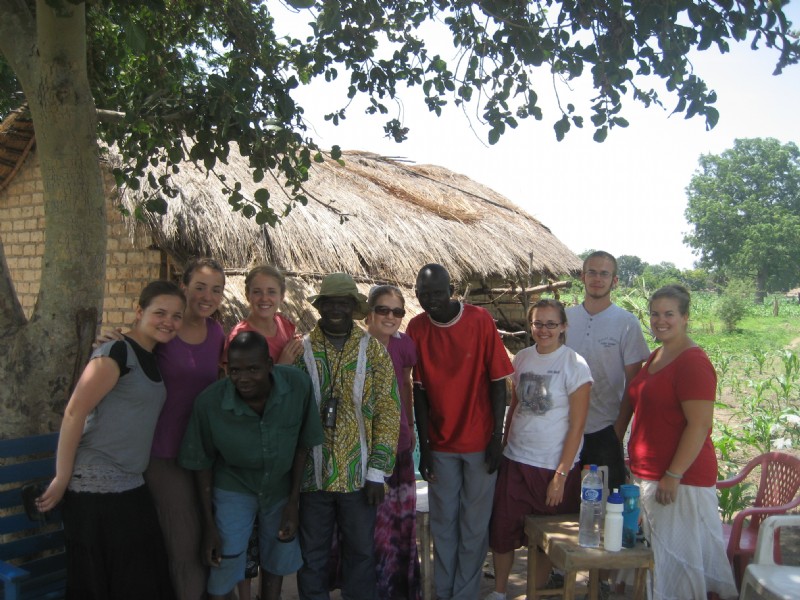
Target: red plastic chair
(776, 495)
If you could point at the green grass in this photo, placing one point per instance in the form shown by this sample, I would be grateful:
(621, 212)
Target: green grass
(759, 330)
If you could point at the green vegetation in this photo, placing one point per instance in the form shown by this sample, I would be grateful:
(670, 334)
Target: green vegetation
(732, 305)
(744, 207)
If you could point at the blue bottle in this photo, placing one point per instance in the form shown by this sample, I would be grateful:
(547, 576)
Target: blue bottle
(630, 514)
(591, 509)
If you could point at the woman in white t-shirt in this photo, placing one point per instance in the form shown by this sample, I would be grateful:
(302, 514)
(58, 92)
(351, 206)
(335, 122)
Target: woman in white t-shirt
(543, 438)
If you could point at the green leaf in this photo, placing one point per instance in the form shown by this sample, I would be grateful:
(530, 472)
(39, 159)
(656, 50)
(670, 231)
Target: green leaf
(136, 38)
(262, 196)
(157, 205)
(600, 134)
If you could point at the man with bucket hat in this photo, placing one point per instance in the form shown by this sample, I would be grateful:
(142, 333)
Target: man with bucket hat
(356, 392)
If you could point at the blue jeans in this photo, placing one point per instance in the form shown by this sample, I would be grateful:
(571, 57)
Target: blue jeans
(319, 511)
(234, 514)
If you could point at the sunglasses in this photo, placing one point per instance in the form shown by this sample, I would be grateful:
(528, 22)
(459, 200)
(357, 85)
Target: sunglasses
(385, 310)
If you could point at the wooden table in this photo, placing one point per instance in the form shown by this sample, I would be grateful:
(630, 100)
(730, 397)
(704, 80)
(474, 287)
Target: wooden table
(557, 537)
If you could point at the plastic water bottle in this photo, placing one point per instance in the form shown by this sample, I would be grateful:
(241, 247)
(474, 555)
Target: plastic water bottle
(591, 509)
(612, 530)
(630, 515)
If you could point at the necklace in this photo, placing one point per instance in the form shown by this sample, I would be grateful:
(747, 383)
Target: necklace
(327, 333)
(334, 372)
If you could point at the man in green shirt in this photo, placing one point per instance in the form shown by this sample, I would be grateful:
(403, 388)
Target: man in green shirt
(247, 442)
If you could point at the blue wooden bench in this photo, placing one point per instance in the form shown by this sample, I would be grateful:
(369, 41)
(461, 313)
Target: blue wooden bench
(32, 559)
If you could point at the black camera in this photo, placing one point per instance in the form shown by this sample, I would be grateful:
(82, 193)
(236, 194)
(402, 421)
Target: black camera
(329, 412)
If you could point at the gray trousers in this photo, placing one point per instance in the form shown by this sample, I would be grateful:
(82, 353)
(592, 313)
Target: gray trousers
(460, 505)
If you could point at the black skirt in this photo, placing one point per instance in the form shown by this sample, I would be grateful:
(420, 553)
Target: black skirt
(115, 549)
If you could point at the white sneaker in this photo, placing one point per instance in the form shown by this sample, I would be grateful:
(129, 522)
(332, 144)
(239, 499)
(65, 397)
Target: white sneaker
(495, 596)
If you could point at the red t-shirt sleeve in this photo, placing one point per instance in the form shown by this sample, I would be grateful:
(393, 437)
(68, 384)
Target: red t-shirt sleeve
(697, 380)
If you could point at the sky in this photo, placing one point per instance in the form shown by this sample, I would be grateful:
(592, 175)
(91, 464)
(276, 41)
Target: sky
(626, 195)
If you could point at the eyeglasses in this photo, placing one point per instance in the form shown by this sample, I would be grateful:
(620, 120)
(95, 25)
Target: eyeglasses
(548, 325)
(385, 310)
(600, 274)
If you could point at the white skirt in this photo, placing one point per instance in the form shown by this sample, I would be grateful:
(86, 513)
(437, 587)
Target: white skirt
(686, 537)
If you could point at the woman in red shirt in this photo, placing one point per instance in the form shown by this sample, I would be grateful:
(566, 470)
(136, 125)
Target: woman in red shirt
(674, 460)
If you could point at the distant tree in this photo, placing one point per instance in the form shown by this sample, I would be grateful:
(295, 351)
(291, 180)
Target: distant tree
(697, 279)
(629, 267)
(744, 208)
(656, 276)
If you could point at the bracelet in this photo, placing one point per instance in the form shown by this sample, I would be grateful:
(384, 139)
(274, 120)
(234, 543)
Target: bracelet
(562, 473)
(669, 473)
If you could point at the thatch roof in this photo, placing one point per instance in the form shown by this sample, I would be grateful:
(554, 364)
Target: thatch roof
(400, 216)
(16, 141)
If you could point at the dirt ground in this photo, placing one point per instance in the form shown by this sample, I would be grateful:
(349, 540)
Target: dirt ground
(516, 584)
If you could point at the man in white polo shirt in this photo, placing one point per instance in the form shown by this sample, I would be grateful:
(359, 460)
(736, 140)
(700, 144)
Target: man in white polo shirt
(611, 340)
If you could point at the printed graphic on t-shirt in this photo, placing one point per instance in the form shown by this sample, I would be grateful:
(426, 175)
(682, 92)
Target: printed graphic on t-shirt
(533, 392)
(608, 342)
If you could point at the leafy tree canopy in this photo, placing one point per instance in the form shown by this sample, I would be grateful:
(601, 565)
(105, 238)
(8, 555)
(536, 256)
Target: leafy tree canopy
(744, 207)
(629, 267)
(188, 78)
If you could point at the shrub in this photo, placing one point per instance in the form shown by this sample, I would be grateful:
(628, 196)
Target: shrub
(732, 304)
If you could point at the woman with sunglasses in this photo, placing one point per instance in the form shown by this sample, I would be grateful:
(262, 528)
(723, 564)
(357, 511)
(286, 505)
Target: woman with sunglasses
(396, 561)
(543, 438)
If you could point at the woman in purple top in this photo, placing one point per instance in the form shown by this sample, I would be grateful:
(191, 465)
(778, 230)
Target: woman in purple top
(396, 561)
(189, 363)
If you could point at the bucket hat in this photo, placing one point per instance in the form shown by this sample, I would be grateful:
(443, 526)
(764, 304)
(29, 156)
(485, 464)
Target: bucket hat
(341, 285)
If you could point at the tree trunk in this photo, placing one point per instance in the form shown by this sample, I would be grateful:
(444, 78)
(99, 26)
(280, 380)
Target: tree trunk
(41, 358)
(761, 286)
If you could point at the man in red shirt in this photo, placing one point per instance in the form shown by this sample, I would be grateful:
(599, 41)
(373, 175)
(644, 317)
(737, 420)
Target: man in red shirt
(459, 404)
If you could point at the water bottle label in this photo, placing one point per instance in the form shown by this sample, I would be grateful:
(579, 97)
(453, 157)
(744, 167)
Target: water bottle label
(591, 495)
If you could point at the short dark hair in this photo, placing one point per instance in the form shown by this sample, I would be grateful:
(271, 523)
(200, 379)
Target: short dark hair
(268, 270)
(250, 340)
(198, 263)
(600, 254)
(159, 287)
(676, 292)
(551, 303)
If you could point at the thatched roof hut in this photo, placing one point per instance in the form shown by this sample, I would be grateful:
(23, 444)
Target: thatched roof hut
(399, 217)
(16, 142)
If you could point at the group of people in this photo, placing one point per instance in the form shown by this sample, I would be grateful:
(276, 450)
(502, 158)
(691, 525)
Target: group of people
(297, 457)
(574, 394)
